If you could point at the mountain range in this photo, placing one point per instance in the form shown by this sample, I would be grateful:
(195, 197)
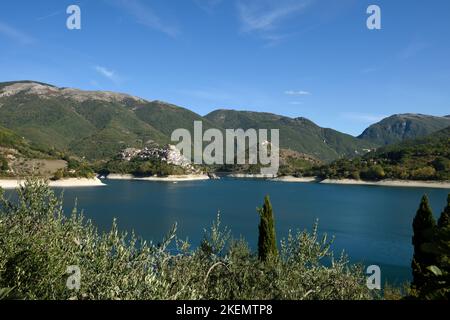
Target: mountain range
(96, 125)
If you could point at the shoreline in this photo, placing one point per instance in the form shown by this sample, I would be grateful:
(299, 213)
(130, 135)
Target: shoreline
(250, 176)
(391, 183)
(12, 183)
(296, 179)
(174, 178)
(8, 184)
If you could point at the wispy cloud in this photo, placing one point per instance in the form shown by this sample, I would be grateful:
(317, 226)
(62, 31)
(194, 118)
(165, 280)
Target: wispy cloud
(297, 93)
(296, 103)
(263, 16)
(50, 15)
(107, 73)
(369, 70)
(413, 49)
(145, 15)
(208, 5)
(362, 117)
(15, 34)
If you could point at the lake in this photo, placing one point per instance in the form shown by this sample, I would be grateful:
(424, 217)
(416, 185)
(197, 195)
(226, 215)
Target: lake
(372, 224)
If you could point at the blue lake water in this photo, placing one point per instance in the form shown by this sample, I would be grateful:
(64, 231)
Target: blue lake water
(372, 224)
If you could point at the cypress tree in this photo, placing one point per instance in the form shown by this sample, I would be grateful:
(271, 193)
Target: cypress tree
(267, 246)
(443, 245)
(423, 227)
(438, 284)
(444, 219)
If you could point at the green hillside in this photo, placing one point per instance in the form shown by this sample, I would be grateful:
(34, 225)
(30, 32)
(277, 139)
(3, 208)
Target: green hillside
(96, 125)
(8, 139)
(299, 134)
(168, 117)
(425, 158)
(116, 127)
(49, 123)
(401, 127)
(89, 128)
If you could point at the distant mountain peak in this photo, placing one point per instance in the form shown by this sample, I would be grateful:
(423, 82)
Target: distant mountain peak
(46, 90)
(412, 115)
(400, 127)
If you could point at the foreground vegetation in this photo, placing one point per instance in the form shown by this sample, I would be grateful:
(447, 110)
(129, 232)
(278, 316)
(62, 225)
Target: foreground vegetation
(431, 260)
(38, 242)
(40, 245)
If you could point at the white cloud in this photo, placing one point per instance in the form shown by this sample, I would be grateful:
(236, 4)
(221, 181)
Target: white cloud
(109, 74)
(297, 93)
(145, 15)
(208, 5)
(362, 117)
(15, 34)
(266, 15)
(296, 103)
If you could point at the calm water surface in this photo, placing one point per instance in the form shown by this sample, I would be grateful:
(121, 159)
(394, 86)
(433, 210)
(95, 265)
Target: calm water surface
(372, 224)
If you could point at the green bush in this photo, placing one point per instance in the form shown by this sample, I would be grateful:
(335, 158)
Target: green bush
(375, 172)
(38, 242)
(3, 164)
(425, 173)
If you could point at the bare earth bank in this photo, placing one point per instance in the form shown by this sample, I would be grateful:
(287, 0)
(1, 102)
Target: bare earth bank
(392, 183)
(188, 177)
(64, 183)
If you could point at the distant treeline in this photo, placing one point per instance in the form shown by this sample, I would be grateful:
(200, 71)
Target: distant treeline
(421, 159)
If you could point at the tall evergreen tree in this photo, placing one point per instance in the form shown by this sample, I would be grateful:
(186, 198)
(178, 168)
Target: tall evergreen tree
(267, 246)
(438, 284)
(444, 219)
(443, 245)
(423, 228)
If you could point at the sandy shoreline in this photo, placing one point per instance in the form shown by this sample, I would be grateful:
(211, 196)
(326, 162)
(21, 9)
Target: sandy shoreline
(251, 176)
(295, 179)
(178, 178)
(64, 183)
(392, 183)
(95, 182)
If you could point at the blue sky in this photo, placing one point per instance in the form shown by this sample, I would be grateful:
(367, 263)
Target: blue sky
(310, 58)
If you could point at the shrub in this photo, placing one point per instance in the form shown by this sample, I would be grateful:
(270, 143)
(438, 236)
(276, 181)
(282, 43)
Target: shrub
(58, 175)
(423, 173)
(375, 172)
(38, 242)
(3, 164)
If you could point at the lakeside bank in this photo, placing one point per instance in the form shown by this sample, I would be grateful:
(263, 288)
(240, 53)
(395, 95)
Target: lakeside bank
(173, 178)
(63, 183)
(391, 183)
